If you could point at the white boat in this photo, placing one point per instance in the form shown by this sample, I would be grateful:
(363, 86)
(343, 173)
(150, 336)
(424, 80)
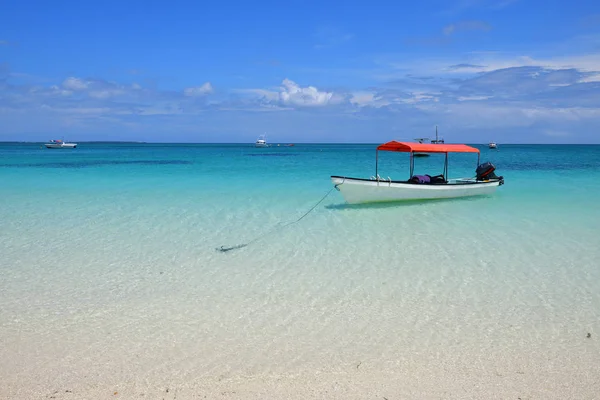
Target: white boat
(492, 145)
(419, 187)
(436, 140)
(421, 140)
(59, 144)
(261, 142)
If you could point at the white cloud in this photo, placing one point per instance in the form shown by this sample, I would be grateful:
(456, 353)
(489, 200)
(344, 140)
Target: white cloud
(485, 115)
(166, 109)
(78, 110)
(387, 98)
(473, 63)
(261, 108)
(544, 99)
(418, 97)
(198, 90)
(473, 98)
(263, 94)
(591, 78)
(94, 88)
(362, 98)
(54, 90)
(105, 94)
(495, 61)
(291, 93)
(562, 114)
(370, 99)
(75, 84)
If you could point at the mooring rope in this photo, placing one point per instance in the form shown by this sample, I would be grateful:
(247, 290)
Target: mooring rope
(224, 249)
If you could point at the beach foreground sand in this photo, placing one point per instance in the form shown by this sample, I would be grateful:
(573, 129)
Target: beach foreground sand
(500, 375)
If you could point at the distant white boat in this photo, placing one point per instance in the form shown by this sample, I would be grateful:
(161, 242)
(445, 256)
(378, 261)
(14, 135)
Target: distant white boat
(261, 142)
(492, 145)
(437, 140)
(421, 140)
(59, 144)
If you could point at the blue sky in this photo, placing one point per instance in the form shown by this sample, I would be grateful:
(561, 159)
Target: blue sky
(513, 71)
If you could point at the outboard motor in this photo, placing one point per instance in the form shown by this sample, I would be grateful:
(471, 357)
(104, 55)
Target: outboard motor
(485, 172)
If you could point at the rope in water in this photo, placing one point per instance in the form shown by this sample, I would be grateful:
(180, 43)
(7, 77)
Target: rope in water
(224, 249)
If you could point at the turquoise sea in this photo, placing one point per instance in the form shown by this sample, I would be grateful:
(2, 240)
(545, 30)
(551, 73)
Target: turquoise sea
(110, 280)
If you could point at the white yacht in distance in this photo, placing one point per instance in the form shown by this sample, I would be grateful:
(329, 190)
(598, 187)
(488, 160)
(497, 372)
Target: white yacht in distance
(436, 140)
(492, 145)
(59, 144)
(261, 142)
(421, 140)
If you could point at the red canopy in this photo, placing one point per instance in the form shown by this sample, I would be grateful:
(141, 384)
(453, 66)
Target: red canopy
(410, 147)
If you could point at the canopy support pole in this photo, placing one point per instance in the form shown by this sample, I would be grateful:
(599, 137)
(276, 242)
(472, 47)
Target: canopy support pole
(376, 165)
(446, 168)
(412, 165)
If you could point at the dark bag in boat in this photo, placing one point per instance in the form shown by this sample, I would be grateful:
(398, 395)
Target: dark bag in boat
(437, 179)
(420, 179)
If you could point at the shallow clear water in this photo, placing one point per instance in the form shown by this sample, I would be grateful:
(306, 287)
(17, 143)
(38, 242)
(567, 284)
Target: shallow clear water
(108, 259)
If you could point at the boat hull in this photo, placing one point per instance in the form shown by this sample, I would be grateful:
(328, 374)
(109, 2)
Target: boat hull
(356, 191)
(60, 146)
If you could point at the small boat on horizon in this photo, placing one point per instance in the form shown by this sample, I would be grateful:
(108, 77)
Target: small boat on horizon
(59, 144)
(419, 187)
(261, 142)
(421, 140)
(492, 145)
(436, 140)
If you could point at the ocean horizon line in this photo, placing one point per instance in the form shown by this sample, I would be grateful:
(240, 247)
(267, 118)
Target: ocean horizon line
(287, 143)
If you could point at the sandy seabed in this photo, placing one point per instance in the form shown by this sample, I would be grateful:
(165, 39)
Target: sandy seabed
(500, 375)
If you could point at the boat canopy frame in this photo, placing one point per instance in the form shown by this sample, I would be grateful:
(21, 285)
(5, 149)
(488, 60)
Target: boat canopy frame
(408, 147)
